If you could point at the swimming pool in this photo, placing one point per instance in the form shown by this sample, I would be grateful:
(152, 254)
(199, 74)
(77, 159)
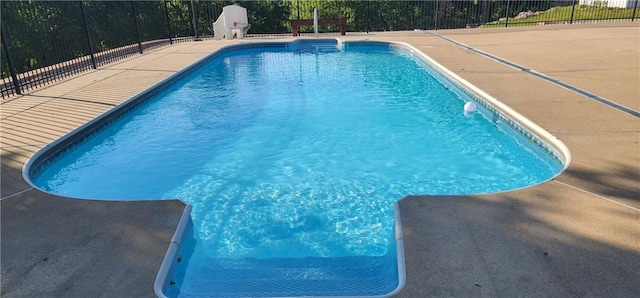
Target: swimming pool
(289, 155)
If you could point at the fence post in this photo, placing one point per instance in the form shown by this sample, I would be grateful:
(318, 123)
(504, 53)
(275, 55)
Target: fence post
(635, 7)
(573, 8)
(193, 18)
(86, 31)
(485, 12)
(135, 24)
(437, 7)
(366, 17)
(506, 23)
(12, 70)
(166, 12)
(466, 15)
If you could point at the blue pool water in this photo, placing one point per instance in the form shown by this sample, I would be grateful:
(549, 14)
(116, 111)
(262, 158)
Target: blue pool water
(296, 155)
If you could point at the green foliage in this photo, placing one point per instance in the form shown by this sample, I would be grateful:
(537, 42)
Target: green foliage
(564, 14)
(180, 18)
(268, 16)
(42, 33)
(34, 28)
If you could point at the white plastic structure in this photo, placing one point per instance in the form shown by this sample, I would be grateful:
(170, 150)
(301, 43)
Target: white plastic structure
(232, 21)
(315, 21)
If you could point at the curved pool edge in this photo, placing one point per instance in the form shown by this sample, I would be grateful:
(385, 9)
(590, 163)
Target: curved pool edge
(528, 129)
(535, 134)
(67, 141)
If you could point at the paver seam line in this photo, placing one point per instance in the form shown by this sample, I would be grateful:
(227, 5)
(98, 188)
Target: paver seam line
(17, 193)
(543, 76)
(23, 146)
(14, 97)
(597, 195)
(634, 131)
(53, 111)
(142, 69)
(588, 69)
(72, 99)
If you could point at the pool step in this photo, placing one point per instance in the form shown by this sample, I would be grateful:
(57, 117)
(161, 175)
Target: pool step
(352, 276)
(315, 45)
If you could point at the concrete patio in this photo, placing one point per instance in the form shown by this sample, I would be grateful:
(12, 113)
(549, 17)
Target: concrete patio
(577, 235)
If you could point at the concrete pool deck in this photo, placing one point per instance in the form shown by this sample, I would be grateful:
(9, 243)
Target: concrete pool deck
(577, 235)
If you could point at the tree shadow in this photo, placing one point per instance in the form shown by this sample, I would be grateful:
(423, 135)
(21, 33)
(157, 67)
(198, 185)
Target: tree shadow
(543, 241)
(60, 247)
(616, 179)
(12, 181)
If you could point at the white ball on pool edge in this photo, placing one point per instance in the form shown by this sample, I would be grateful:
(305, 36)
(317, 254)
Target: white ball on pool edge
(469, 107)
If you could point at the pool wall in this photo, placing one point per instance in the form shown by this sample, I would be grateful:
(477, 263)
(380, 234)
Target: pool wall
(171, 259)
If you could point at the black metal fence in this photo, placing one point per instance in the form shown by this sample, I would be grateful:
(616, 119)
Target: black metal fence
(45, 41)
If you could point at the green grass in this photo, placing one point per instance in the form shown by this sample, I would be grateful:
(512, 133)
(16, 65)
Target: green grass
(563, 14)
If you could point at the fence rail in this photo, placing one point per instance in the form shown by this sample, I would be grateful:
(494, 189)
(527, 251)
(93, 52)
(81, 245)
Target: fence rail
(45, 41)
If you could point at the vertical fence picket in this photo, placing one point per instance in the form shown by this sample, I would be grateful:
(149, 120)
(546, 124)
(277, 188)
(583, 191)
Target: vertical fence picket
(166, 12)
(437, 16)
(135, 25)
(506, 15)
(194, 22)
(366, 16)
(12, 69)
(573, 9)
(86, 31)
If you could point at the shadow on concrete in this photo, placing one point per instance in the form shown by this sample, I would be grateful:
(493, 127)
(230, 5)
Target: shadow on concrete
(502, 245)
(57, 247)
(617, 180)
(11, 173)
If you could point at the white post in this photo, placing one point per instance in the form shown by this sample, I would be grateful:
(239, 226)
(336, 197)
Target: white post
(315, 21)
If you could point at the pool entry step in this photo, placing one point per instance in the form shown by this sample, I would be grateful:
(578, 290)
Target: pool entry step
(343, 276)
(185, 273)
(315, 45)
